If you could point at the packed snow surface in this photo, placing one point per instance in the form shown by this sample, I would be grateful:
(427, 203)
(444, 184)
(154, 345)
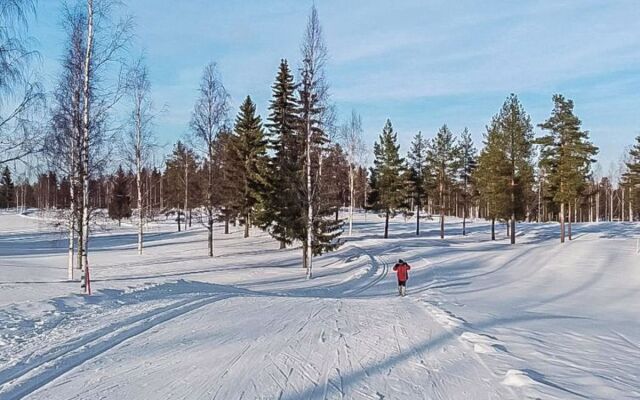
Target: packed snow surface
(482, 319)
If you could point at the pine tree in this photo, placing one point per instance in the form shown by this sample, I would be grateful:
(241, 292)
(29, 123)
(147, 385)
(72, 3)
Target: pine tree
(492, 176)
(442, 156)
(632, 178)
(517, 131)
(389, 180)
(566, 154)
(7, 189)
(181, 181)
(120, 202)
(249, 147)
(281, 213)
(467, 163)
(419, 174)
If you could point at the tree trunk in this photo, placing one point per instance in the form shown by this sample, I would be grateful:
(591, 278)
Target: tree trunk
(562, 222)
(622, 204)
(246, 225)
(85, 138)
(569, 220)
(186, 192)
(71, 240)
(351, 197)
(139, 188)
(630, 207)
(493, 229)
(226, 224)
(178, 219)
(513, 210)
(464, 219)
(418, 219)
(598, 206)
(210, 233)
(386, 224)
(309, 222)
(441, 210)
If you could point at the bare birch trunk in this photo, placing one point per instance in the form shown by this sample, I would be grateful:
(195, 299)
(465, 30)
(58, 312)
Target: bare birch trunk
(562, 222)
(309, 244)
(351, 199)
(71, 240)
(186, 191)
(85, 137)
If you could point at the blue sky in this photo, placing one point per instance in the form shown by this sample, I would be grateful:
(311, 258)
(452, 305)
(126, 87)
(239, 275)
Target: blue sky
(419, 63)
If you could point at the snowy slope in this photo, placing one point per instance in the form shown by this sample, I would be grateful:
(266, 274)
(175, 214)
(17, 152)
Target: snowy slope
(483, 320)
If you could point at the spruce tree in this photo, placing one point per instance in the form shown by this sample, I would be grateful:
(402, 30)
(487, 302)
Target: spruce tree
(120, 202)
(7, 189)
(419, 174)
(566, 154)
(281, 212)
(442, 155)
(389, 180)
(226, 175)
(467, 163)
(632, 178)
(517, 131)
(249, 147)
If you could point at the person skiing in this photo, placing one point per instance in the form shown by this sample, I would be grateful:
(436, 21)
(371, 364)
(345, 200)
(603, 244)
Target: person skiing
(402, 270)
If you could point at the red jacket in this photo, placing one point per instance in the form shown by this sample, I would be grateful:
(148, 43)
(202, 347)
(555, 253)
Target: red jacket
(402, 270)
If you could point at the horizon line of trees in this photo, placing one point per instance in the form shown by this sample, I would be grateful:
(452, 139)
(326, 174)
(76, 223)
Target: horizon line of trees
(288, 174)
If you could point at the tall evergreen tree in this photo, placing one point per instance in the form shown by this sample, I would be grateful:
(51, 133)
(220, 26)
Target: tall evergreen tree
(389, 181)
(7, 189)
(226, 175)
(566, 154)
(632, 178)
(442, 155)
(467, 163)
(282, 212)
(492, 176)
(249, 146)
(120, 202)
(419, 174)
(517, 131)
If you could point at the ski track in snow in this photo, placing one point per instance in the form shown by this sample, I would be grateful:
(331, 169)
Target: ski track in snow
(255, 329)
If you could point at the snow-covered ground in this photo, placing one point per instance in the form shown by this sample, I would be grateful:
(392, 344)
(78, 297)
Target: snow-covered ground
(482, 319)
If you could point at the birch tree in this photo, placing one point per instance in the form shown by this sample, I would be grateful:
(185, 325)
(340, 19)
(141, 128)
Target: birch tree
(139, 138)
(103, 43)
(209, 117)
(312, 96)
(21, 98)
(351, 135)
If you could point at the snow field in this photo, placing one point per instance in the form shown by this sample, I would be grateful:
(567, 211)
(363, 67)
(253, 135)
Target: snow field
(482, 319)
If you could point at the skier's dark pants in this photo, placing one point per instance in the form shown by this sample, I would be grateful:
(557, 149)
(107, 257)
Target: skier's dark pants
(402, 283)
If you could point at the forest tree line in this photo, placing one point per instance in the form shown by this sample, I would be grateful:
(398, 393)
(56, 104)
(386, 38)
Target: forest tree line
(289, 173)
